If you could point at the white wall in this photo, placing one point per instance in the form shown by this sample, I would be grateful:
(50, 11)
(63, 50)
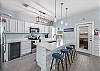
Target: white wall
(92, 15)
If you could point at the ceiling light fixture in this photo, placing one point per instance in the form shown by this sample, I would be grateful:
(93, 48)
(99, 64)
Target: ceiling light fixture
(61, 13)
(66, 23)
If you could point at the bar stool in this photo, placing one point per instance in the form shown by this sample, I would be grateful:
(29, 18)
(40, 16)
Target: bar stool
(65, 53)
(74, 52)
(70, 51)
(59, 58)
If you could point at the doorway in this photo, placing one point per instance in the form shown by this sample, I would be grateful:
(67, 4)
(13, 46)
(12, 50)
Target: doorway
(84, 37)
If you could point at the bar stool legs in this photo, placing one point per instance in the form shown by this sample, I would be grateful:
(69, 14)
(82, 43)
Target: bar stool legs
(62, 64)
(51, 64)
(58, 65)
(66, 61)
(69, 59)
(59, 58)
(71, 54)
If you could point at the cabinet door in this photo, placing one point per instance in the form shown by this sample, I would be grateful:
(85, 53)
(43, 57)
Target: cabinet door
(20, 26)
(27, 27)
(12, 25)
(32, 24)
(40, 28)
(7, 26)
(46, 29)
(25, 47)
(36, 26)
(43, 29)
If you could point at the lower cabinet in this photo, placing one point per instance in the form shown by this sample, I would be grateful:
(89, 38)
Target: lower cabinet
(25, 47)
(13, 50)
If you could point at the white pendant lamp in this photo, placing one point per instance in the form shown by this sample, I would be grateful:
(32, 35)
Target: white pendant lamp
(61, 13)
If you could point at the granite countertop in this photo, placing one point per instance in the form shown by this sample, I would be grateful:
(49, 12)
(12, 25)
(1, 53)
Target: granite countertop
(49, 46)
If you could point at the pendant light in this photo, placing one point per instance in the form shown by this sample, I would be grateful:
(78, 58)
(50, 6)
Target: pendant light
(61, 13)
(66, 23)
(55, 13)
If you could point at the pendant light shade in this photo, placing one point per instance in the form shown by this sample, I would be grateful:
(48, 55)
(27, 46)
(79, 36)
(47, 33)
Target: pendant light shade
(61, 13)
(55, 20)
(61, 21)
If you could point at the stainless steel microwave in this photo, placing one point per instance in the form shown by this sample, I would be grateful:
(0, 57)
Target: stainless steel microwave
(34, 30)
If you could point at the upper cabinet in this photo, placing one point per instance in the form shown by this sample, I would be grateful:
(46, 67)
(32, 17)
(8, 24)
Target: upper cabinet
(46, 29)
(41, 27)
(18, 26)
(10, 25)
(27, 27)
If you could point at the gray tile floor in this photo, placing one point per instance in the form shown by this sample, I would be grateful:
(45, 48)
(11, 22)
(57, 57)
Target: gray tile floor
(83, 62)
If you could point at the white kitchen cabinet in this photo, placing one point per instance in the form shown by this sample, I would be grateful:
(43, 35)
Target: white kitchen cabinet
(6, 25)
(35, 26)
(40, 29)
(43, 29)
(12, 26)
(50, 31)
(27, 27)
(46, 29)
(20, 27)
(25, 47)
(32, 24)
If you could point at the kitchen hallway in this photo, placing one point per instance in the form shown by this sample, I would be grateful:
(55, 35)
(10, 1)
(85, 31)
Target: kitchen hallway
(83, 62)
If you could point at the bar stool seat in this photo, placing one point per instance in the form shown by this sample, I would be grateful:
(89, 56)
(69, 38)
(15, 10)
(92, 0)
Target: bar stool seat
(57, 56)
(72, 46)
(69, 47)
(64, 51)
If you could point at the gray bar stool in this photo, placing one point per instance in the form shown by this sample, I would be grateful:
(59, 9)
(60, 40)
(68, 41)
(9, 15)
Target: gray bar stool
(59, 58)
(74, 52)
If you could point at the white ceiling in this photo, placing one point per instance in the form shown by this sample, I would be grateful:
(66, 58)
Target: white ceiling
(48, 6)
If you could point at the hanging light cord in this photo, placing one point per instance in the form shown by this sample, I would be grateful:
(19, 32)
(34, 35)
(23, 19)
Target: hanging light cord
(55, 8)
(61, 10)
(66, 14)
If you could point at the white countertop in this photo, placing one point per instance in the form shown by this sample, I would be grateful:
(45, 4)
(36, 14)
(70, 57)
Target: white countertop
(16, 40)
(49, 46)
(24, 40)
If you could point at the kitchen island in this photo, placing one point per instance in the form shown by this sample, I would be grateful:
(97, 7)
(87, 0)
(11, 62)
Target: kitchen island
(44, 52)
